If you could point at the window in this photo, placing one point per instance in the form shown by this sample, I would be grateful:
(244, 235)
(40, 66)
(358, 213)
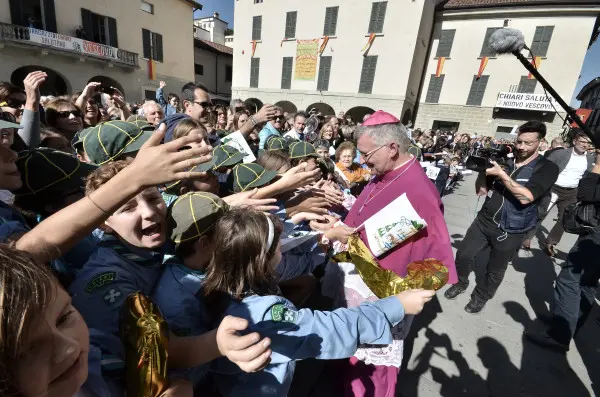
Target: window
(99, 28)
(324, 72)
(504, 130)
(541, 40)
(445, 125)
(485, 50)
(286, 73)
(38, 14)
(367, 76)
(377, 17)
(254, 72)
(150, 95)
(256, 27)
(290, 24)
(153, 48)
(258, 1)
(526, 86)
(228, 73)
(477, 90)
(199, 69)
(445, 43)
(435, 88)
(331, 16)
(147, 7)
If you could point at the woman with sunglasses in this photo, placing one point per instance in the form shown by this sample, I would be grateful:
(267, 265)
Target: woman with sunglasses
(64, 117)
(24, 106)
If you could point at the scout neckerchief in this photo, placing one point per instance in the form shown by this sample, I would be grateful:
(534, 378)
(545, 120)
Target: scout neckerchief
(145, 257)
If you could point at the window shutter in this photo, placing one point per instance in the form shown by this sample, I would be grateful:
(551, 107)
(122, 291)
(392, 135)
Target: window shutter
(373, 20)
(254, 72)
(86, 23)
(146, 43)
(485, 50)
(286, 73)
(50, 15)
(324, 73)
(367, 76)
(331, 16)
(112, 32)
(477, 90)
(290, 24)
(541, 40)
(435, 89)
(526, 86)
(381, 16)
(256, 27)
(445, 43)
(158, 47)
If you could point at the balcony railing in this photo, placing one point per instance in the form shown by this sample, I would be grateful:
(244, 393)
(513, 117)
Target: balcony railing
(44, 39)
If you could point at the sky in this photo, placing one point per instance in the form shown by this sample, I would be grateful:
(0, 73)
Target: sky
(223, 7)
(589, 71)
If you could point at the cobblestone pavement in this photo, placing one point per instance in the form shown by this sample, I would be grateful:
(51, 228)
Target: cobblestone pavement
(454, 353)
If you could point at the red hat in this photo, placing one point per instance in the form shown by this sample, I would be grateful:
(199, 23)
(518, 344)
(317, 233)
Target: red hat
(380, 117)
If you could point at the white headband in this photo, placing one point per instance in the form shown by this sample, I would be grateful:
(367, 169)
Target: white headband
(271, 232)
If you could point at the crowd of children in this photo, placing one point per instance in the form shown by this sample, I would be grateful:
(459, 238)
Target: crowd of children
(117, 204)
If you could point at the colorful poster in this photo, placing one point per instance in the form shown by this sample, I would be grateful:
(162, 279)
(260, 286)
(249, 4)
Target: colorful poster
(306, 60)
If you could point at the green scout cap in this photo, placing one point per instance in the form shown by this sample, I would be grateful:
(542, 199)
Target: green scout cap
(193, 214)
(51, 171)
(227, 156)
(277, 143)
(249, 176)
(204, 167)
(140, 122)
(302, 149)
(109, 140)
(78, 138)
(222, 133)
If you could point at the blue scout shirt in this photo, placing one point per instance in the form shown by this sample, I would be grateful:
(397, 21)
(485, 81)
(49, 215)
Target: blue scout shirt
(300, 334)
(179, 297)
(11, 222)
(101, 287)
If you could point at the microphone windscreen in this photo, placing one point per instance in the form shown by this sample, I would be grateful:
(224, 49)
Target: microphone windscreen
(506, 40)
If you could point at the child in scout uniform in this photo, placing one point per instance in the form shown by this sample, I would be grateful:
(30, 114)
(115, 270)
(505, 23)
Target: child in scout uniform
(249, 176)
(113, 140)
(77, 145)
(178, 293)
(226, 157)
(276, 143)
(141, 122)
(240, 280)
(52, 180)
(304, 152)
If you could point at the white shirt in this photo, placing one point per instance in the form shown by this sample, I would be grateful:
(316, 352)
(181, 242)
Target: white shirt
(292, 134)
(573, 172)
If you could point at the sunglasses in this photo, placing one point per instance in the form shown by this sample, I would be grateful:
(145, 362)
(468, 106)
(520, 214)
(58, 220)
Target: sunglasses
(5, 116)
(14, 103)
(279, 118)
(204, 104)
(67, 113)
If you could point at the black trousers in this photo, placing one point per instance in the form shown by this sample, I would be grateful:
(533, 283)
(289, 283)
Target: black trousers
(575, 288)
(481, 235)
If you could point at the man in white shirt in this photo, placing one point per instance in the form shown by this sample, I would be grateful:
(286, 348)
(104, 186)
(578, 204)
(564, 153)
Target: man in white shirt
(297, 131)
(572, 164)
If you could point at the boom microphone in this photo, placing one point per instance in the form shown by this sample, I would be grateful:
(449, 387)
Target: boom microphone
(507, 40)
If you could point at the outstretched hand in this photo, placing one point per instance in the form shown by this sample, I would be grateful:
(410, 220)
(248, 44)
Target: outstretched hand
(245, 199)
(32, 84)
(297, 177)
(159, 163)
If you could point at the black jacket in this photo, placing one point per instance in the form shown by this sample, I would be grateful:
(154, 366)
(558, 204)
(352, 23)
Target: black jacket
(589, 188)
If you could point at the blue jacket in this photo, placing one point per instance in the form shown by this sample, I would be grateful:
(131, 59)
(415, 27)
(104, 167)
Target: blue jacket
(167, 107)
(300, 334)
(100, 289)
(179, 297)
(265, 133)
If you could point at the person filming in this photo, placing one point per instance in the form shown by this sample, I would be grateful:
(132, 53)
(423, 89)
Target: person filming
(509, 212)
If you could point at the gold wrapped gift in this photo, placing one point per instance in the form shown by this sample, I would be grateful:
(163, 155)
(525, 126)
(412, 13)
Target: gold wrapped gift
(145, 335)
(428, 274)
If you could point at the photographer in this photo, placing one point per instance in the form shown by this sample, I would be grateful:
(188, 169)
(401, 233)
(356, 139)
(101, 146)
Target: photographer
(510, 210)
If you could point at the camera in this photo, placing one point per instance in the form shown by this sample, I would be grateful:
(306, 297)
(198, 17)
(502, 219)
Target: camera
(481, 159)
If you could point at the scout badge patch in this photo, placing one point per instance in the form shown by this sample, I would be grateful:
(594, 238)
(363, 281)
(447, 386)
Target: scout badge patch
(145, 336)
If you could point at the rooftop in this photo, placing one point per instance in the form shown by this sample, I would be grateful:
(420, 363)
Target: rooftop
(465, 4)
(212, 46)
(589, 86)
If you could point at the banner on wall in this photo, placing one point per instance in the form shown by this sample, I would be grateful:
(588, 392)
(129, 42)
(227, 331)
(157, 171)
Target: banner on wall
(73, 44)
(306, 59)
